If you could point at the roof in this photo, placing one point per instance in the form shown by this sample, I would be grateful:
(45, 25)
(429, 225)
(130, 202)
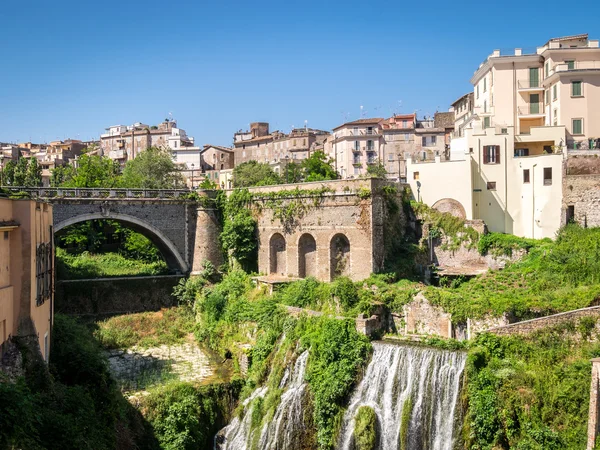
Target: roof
(374, 120)
(218, 147)
(443, 120)
(254, 139)
(569, 38)
(468, 94)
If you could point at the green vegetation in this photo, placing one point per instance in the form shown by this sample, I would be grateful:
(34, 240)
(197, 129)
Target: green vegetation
(86, 265)
(79, 407)
(376, 170)
(365, 430)
(554, 277)
(530, 393)
(407, 410)
(253, 173)
(318, 167)
(500, 244)
(238, 237)
(92, 171)
(25, 172)
(153, 168)
(150, 329)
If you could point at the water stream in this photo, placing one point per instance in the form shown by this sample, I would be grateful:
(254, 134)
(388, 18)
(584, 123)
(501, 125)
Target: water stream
(416, 385)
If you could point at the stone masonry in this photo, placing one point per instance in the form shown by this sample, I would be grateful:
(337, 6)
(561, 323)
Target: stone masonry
(594, 412)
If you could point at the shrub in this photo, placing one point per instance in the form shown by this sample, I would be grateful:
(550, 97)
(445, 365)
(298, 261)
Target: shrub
(365, 430)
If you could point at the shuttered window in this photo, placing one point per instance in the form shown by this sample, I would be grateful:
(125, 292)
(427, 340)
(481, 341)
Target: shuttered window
(577, 126)
(576, 89)
(491, 154)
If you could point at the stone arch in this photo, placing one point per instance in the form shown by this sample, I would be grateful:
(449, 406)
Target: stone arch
(277, 254)
(339, 256)
(451, 206)
(307, 256)
(169, 251)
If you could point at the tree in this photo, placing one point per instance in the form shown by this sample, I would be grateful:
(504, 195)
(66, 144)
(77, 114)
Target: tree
(20, 174)
(33, 177)
(318, 167)
(153, 168)
(376, 170)
(253, 173)
(92, 171)
(293, 173)
(8, 173)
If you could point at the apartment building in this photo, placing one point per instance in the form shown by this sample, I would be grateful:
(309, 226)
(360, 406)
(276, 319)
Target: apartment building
(399, 143)
(55, 154)
(531, 108)
(356, 145)
(123, 143)
(26, 273)
(275, 148)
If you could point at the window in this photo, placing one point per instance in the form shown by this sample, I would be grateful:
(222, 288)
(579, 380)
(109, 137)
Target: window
(486, 122)
(355, 131)
(570, 213)
(576, 89)
(547, 68)
(356, 146)
(222, 166)
(6, 235)
(526, 176)
(503, 130)
(547, 176)
(491, 154)
(570, 65)
(405, 124)
(43, 273)
(555, 116)
(293, 142)
(416, 175)
(356, 159)
(519, 152)
(406, 137)
(424, 141)
(577, 126)
(433, 140)
(369, 130)
(356, 171)
(547, 96)
(485, 106)
(370, 147)
(244, 146)
(390, 157)
(484, 85)
(491, 185)
(554, 92)
(477, 91)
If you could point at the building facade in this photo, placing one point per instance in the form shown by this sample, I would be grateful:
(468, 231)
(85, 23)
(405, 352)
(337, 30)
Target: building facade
(531, 110)
(26, 273)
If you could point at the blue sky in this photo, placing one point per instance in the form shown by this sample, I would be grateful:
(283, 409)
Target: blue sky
(70, 69)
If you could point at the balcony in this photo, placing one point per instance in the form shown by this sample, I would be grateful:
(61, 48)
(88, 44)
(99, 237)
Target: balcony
(583, 144)
(531, 110)
(369, 149)
(356, 149)
(574, 66)
(530, 85)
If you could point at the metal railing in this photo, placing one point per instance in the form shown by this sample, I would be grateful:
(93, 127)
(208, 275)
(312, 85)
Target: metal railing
(99, 192)
(531, 109)
(529, 84)
(584, 144)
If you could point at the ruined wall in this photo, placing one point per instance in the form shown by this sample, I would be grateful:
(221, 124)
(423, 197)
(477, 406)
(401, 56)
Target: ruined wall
(341, 232)
(115, 296)
(421, 317)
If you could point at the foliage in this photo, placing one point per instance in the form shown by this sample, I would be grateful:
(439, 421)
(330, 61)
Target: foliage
(208, 184)
(238, 237)
(503, 244)
(376, 170)
(253, 173)
(87, 265)
(91, 171)
(185, 416)
(168, 326)
(20, 173)
(554, 277)
(293, 173)
(33, 176)
(529, 392)
(82, 408)
(8, 173)
(365, 430)
(153, 168)
(318, 167)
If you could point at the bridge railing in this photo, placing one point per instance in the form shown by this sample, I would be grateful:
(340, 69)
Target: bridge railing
(98, 192)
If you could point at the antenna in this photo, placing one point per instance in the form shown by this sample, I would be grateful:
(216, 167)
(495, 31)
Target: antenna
(361, 111)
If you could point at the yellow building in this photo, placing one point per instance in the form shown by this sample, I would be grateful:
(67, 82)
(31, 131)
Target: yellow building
(26, 272)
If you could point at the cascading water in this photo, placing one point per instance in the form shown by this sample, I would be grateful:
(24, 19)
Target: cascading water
(414, 393)
(285, 430)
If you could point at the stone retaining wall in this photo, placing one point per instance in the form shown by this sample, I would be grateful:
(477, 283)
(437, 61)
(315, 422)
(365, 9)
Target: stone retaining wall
(115, 296)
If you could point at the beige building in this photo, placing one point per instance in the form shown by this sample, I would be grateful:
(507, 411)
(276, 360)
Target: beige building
(276, 147)
(123, 143)
(26, 272)
(530, 110)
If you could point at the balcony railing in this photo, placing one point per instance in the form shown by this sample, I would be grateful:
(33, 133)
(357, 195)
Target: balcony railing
(369, 149)
(574, 65)
(531, 109)
(584, 144)
(98, 192)
(530, 84)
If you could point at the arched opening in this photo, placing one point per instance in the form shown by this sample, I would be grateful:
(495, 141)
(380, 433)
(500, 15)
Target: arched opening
(137, 246)
(339, 254)
(307, 256)
(277, 252)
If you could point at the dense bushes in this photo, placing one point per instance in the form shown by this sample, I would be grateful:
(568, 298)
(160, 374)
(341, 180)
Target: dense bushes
(503, 244)
(81, 409)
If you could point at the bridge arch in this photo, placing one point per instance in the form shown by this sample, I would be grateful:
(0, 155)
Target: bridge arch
(172, 256)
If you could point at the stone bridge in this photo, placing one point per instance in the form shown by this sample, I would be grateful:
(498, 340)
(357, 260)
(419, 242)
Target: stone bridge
(185, 231)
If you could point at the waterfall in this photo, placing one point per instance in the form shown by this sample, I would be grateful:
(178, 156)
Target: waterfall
(414, 393)
(285, 430)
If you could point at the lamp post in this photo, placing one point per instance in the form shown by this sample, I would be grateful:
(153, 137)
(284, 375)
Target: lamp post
(192, 176)
(1, 169)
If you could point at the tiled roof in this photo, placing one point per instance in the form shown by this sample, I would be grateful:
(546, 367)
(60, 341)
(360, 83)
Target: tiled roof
(218, 147)
(374, 120)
